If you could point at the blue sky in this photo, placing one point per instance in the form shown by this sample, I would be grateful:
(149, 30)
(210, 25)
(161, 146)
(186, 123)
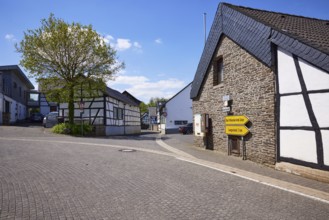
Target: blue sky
(160, 41)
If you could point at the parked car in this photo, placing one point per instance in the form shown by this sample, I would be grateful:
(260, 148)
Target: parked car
(36, 117)
(186, 129)
(50, 120)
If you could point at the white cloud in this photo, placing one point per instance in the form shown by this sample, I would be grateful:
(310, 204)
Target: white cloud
(144, 89)
(122, 44)
(158, 41)
(10, 37)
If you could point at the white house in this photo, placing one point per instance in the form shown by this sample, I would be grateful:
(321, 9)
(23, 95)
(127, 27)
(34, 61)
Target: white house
(14, 92)
(177, 111)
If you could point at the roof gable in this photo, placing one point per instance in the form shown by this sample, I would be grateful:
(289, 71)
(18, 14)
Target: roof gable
(133, 98)
(119, 96)
(179, 92)
(255, 31)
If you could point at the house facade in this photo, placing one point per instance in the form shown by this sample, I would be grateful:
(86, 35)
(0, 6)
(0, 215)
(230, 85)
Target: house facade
(272, 68)
(14, 94)
(177, 111)
(111, 114)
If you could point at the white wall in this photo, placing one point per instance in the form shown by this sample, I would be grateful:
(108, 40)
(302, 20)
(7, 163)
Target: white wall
(288, 79)
(315, 79)
(293, 111)
(320, 105)
(179, 108)
(297, 143)
(325, 138)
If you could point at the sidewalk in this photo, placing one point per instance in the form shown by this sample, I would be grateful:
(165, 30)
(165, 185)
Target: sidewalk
(185, 143)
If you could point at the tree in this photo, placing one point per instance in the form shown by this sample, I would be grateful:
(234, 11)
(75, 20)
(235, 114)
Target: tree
(153, 101)
(66, 58)
(143, 107)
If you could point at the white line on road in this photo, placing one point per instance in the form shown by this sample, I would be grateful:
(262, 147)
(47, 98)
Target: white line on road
(275, 183)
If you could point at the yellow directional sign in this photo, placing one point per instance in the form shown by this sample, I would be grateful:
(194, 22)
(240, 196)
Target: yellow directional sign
(237, 130)
(236, 120)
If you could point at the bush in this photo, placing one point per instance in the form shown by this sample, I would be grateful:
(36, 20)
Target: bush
(72, 129)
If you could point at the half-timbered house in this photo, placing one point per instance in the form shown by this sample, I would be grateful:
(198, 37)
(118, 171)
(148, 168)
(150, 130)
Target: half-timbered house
(110, 114)
(274, 69)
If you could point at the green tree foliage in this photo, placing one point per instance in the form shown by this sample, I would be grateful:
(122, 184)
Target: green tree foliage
(143, 107)
(67, 59)
(154, 101)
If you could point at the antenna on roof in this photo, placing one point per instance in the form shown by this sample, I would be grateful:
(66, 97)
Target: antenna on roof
(205, 27)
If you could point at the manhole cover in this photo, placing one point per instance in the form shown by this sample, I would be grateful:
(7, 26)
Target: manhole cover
(127, 150)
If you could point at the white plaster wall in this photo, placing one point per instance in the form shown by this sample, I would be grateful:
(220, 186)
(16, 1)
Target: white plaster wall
(320, 105)
(179, 108)
(315, 79)
(293, 111)
(298, 144)
(287, 74)
(325, 140)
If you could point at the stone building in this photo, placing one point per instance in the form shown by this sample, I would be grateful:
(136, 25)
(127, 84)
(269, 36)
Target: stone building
(274, 69)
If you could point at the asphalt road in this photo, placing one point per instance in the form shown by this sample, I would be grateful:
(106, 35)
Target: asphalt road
(47, 176)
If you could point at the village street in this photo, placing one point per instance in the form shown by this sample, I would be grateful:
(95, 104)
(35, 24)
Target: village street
(47, 176)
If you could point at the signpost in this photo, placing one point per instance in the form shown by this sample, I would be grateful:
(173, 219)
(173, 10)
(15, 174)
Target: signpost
(236, 120)
(235, 125)
(236, 130)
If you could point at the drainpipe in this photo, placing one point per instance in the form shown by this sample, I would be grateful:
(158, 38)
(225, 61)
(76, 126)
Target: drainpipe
(124, 119)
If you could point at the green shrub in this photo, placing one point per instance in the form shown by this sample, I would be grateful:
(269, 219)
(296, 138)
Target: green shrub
(72, 129)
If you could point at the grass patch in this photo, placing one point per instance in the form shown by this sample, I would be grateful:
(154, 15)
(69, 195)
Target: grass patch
(72, 129)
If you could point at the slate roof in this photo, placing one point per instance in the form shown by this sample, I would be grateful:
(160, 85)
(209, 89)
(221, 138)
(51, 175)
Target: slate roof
(19, 73)
(119, 96)
(133, 98)
(311, 31)
(256, 30)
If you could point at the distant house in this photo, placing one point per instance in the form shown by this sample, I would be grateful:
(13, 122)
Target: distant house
(112, 114)
(274, 69)
(14, 94)
(177, 111)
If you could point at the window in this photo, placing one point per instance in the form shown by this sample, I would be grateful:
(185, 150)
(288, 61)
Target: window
(218, 71)
(120, 113)
(117, 113)
(180, 122)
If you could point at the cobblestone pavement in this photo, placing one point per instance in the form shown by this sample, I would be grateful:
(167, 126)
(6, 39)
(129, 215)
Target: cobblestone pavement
(185, 143)
(46, 176)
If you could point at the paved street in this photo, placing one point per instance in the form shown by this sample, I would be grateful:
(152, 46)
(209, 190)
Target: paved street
(47, 176)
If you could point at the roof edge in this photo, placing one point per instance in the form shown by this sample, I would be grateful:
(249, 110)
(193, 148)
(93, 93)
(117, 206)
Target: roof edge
(21, 74)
